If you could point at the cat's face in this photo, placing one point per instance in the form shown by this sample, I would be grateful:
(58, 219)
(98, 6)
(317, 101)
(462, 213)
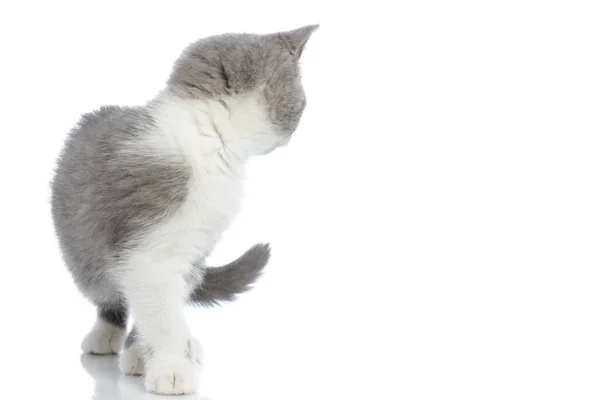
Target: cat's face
(235, 65)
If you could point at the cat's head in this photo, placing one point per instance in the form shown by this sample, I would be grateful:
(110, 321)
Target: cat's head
(254, 76)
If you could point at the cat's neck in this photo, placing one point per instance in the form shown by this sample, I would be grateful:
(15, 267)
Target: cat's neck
(233, 128)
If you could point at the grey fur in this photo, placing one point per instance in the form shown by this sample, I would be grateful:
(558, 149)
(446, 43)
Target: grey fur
(296, 40)
(131, 338)
(115, 314)
(224, 283)
(104, 199)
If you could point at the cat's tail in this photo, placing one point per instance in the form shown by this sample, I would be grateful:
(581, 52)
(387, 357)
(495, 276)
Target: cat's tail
(226, 282)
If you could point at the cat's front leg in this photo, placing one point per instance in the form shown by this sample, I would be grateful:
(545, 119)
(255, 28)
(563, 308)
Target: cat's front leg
(156, 291)
(133, 358)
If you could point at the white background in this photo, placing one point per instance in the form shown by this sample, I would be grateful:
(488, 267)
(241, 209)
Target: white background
(435, 220)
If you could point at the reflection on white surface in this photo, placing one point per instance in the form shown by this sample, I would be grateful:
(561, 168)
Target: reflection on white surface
(110, 384)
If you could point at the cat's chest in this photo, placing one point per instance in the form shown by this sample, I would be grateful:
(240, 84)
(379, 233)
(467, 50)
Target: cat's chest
(213, 199)
(214, 189)
(212, 202)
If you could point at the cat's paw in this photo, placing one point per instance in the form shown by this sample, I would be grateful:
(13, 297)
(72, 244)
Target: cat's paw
(104, 338)
(131, 361)
(194, 350)
(171, 375)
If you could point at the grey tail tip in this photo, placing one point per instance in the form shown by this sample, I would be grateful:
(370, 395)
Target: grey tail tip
(225, 283)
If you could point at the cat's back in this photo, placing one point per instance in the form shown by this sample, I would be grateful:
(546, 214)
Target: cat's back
(106, 187)
(90, 149)
(97, 136)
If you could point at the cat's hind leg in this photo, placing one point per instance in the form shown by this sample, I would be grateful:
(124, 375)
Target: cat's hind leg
(108, 334)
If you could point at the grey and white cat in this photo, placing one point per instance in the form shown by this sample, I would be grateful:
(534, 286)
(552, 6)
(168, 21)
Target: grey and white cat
(141, 195)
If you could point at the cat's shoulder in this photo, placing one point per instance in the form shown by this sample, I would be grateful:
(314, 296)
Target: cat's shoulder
(117, 119)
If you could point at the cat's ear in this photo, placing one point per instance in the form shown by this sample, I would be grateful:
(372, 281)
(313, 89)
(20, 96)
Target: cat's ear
(295, 40)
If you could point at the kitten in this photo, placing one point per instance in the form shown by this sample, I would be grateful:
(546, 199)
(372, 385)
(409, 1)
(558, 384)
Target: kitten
(141, 195)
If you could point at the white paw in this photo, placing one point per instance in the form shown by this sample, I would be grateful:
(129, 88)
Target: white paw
(171, 375)
(131, 361)
(194, 350)
(104, 338)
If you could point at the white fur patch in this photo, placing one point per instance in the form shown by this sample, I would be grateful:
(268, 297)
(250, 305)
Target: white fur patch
(104, 338)
(195, 350)
(132, 361)
(172, 375)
